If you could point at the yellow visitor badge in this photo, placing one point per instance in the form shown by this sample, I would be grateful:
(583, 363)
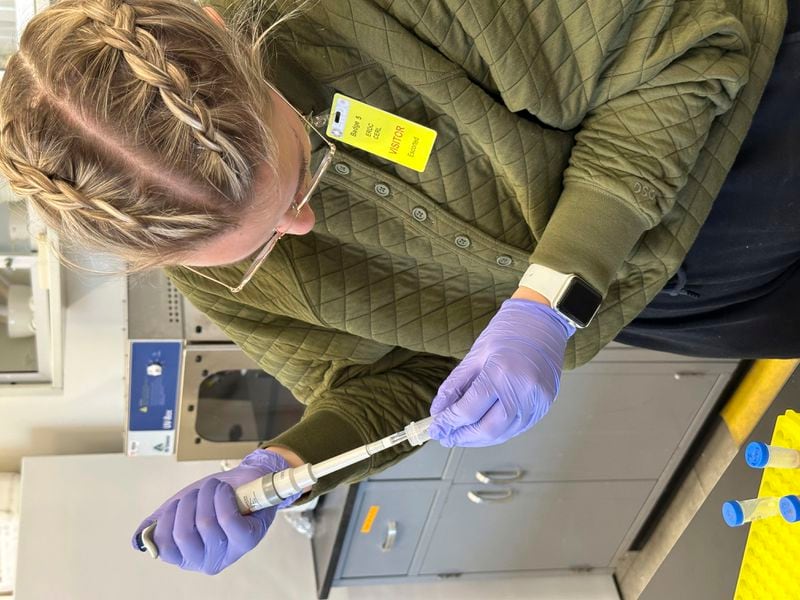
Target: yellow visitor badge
(380, 133)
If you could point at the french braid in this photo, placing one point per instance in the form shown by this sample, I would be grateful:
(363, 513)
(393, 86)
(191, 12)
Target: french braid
(99, 186)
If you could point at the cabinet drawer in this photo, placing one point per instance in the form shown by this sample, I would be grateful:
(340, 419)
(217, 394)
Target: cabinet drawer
(540, 526)
(603, 426)
(426, 463)
(397, 512)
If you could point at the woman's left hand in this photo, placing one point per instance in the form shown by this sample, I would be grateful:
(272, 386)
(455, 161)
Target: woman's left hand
(507, 381)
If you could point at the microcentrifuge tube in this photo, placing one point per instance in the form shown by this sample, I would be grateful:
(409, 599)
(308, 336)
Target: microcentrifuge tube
(759, 456)
(739, 512)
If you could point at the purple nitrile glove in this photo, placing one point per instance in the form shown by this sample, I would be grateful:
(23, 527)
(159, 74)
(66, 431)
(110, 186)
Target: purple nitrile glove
(507, 381)
(200, 528)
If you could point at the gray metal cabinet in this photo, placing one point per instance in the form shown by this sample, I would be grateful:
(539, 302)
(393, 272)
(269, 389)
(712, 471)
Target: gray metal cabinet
(619, 424)
(386, 527)
(555, 525)
(571, 493)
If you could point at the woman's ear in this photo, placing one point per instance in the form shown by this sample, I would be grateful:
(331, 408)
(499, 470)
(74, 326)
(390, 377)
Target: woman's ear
(214, 15)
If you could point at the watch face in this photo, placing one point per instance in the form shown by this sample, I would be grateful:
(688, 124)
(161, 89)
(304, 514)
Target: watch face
(580, 302)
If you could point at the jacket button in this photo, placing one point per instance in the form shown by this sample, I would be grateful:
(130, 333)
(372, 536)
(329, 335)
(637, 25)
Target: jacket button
(419, 213)
(382, 189)
(504, 260)
(342, 168)
(463, 241)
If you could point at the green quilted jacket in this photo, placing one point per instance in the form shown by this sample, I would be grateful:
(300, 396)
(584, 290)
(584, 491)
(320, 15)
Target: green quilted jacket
(591, 137)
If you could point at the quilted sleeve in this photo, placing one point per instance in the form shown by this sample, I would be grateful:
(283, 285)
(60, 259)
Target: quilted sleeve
(677, 67)
(366, 403)
(355, 390)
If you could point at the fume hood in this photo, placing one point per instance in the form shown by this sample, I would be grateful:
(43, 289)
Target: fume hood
(31, 301)
(31, 321)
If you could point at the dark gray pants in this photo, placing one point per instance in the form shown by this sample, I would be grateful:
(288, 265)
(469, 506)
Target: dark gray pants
(737, 294)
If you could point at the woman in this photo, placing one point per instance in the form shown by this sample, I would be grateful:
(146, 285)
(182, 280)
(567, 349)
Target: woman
(578, 152)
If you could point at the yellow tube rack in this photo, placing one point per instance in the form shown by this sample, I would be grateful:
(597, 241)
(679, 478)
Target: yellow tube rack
(771, 564)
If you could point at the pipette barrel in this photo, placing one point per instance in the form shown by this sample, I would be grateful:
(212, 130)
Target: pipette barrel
(340, 461)
(273, 488)
(416, 433)
(759, 456)
(739, 512)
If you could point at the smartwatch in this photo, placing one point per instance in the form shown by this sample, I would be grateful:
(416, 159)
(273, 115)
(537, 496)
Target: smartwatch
(569, 294)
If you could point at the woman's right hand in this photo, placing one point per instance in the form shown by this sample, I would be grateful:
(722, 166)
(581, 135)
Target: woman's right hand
(200, 528)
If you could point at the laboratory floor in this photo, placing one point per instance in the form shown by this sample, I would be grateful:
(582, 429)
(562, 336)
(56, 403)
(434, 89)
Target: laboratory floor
(704, 564)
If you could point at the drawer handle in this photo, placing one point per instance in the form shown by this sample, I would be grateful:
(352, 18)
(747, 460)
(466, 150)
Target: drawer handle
(483, 496)
(498, 476)
(391, 536)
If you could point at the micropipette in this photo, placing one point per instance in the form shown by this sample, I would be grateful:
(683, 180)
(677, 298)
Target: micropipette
(273, 488)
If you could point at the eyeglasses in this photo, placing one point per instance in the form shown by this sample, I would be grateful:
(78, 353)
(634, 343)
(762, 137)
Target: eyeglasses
(324, 162)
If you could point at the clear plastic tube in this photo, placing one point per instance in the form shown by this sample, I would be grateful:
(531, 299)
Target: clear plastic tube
(761, 456)
(739, 512)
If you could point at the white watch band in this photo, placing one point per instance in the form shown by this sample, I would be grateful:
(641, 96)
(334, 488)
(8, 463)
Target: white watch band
(548, 282)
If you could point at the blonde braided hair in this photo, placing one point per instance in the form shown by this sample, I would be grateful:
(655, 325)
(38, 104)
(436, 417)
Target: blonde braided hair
(137, 128)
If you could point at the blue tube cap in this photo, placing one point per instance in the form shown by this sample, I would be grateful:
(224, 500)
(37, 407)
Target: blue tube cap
(757, 455)
(732, 513)
(790, 508)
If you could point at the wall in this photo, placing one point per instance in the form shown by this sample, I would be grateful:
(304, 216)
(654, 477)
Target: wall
(87, 415)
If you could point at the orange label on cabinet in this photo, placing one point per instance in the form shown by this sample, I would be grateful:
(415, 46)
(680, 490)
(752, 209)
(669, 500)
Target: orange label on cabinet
(366, 526)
